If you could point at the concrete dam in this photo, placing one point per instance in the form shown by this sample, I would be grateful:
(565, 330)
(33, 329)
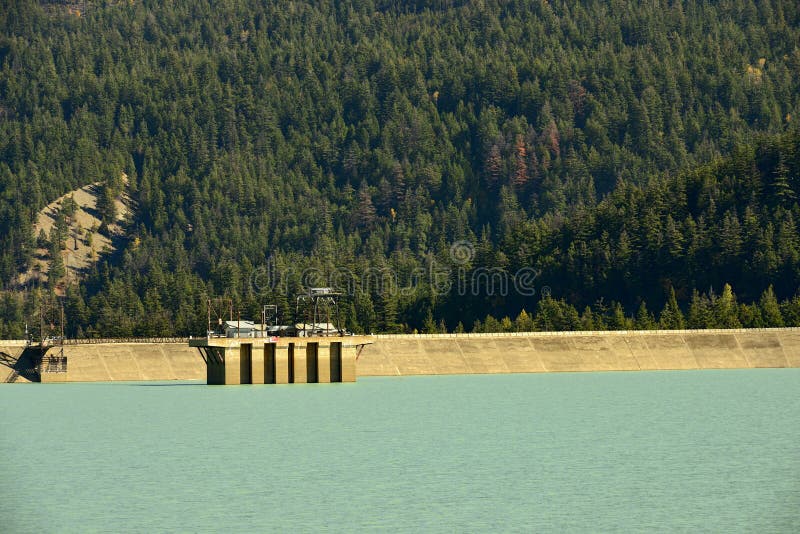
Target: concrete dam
(431, 354)
(547, 352)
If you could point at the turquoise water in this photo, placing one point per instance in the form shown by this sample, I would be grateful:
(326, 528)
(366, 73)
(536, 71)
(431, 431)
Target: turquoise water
(674, 451)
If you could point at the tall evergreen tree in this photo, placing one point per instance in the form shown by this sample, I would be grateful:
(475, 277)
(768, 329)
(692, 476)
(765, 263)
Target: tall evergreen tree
(671, 317)
(770, 310)
(644, 319)
(725, 309)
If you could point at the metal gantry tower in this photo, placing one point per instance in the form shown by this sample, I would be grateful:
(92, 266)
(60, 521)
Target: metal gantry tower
(218, 308)
(52, 324)
(317, 312)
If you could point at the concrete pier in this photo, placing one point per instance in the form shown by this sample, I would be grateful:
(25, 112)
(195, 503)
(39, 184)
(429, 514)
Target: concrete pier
(324, 363)
(297, 360)
(282, 363)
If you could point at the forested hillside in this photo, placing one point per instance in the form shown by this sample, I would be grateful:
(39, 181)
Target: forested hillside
(614, 149)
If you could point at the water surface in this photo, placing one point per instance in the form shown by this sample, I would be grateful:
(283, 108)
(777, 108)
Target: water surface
(686, 451)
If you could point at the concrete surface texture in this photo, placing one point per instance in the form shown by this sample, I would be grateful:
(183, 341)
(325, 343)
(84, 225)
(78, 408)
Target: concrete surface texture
(535, 352)
(133, 361)
(13, 362)
(544, 352)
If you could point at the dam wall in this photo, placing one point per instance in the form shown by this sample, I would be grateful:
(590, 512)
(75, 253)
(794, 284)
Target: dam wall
(107, 362)
(432, 354)
(547, 352)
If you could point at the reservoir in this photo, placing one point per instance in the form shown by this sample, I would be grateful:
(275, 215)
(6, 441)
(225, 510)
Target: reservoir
(711, 450)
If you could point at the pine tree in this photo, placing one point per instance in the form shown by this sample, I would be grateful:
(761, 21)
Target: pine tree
(106, 204)
(520, 176)
(552, 138)
(556, 315)
(365, 214)
(674, 238)
(644, 319)
(41, 239)
(57, 270)
(617, 320)
(700, 312)
(75, 310)
(770, 310)
(388, 313)
(493, 166)
(398, 183)
(490, 324)
(725, 309)
(587, 319)
(671, 317)
(429, 326)
(351, 320)
(780, 187)
(366, 316)
(790, 310)
(523, 322)
(750, 316)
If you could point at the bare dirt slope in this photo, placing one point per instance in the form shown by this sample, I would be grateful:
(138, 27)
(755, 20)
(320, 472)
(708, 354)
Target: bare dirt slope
(85, 243)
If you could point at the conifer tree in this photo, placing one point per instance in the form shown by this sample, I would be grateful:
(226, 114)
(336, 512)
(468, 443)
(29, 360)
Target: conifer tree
(700, 312)
(770, 310)
(520, 177)
(106, 205)
(725, 310)
(790, 310)
(671, 317)
(523, 322)
(617, 320)
(388, 313)
(477, 326)
(644, 319)
(781, 189)
(490, 324)
(493, 166)
(365, 214)
(429, 326)
(587, 319)
(442, 329)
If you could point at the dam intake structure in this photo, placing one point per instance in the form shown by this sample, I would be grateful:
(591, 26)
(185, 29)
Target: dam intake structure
(274, 360)
(312, 350)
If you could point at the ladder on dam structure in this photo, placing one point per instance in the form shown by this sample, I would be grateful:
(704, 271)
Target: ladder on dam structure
(23, 365)
(11, 378)
(10, 362)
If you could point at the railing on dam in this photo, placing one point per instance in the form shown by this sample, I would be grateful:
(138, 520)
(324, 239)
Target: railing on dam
(570, 333)
(100, 341)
